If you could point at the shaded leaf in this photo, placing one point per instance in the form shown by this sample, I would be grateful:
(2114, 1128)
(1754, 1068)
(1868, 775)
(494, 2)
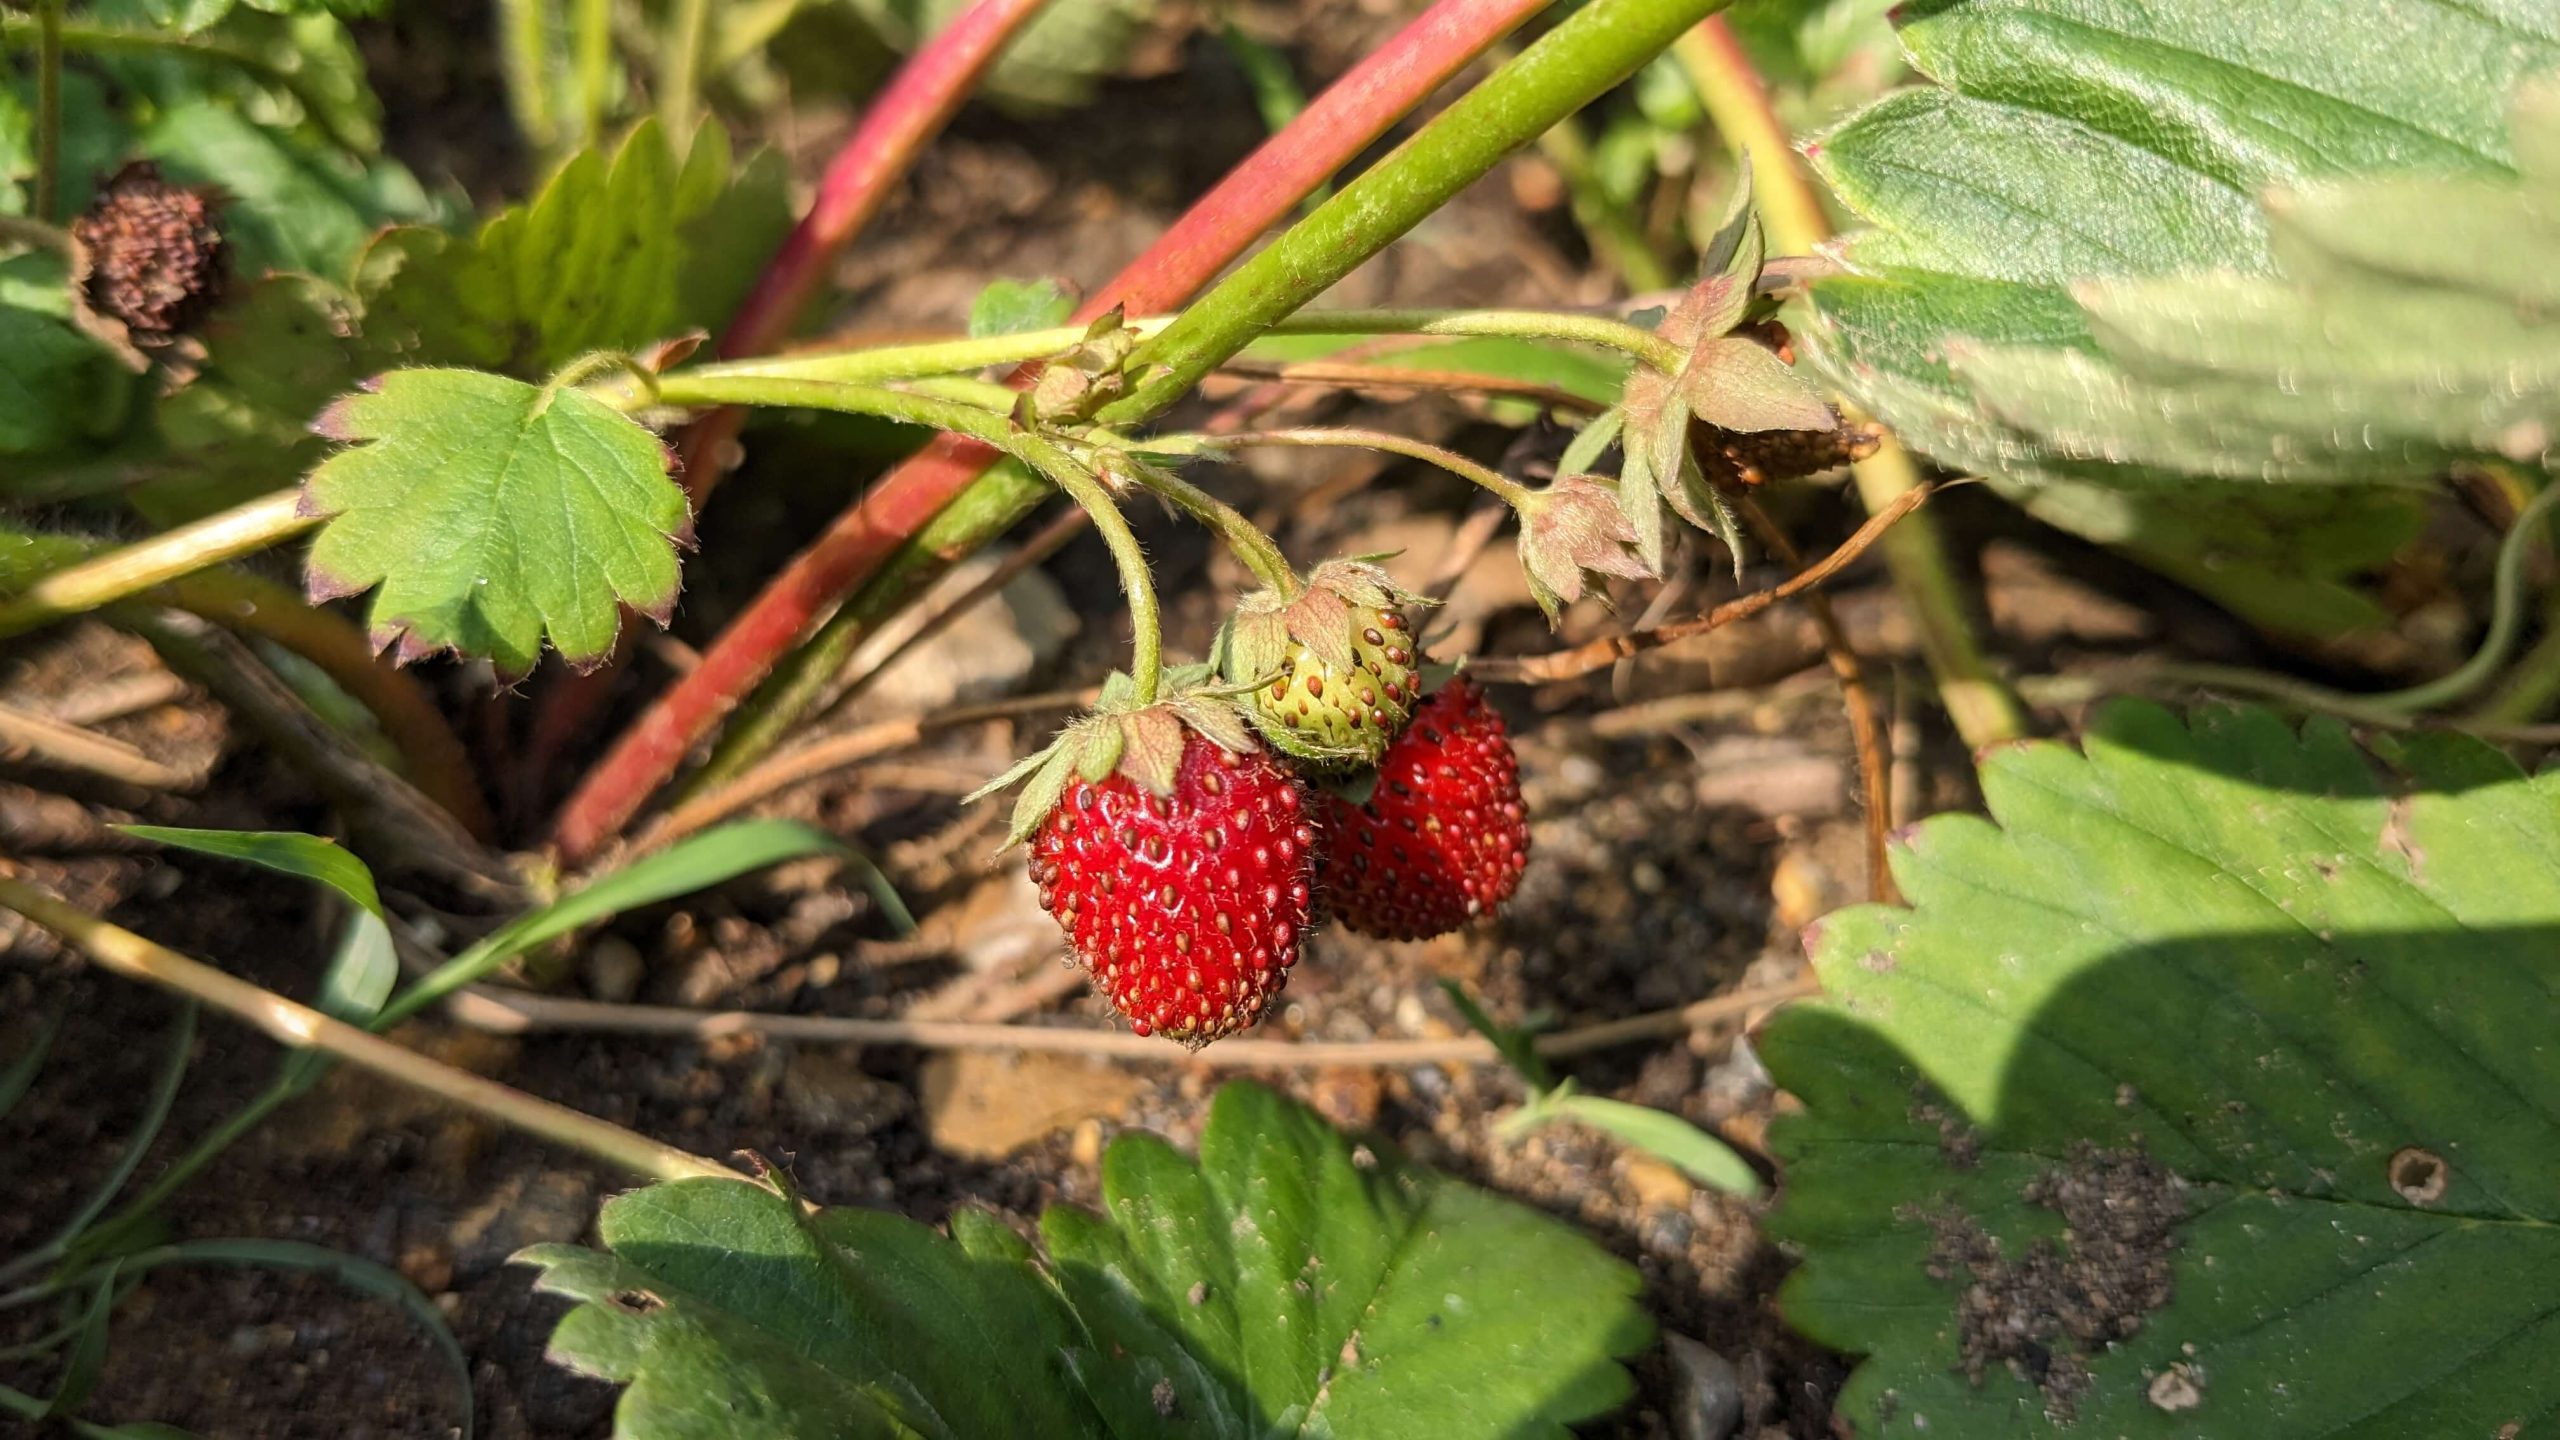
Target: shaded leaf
(1287, 1280)
(619, 249)
(494, 515)
(289, 204)
(58, 386)
(2265, 1027)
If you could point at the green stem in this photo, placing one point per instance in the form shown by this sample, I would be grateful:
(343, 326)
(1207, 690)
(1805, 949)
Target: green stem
(48, 107)
(21, 232)
(524, 53)
(1254, 548)
(1599, 46)
(1984, 709)
(48, 28)
(1508, 491)
(1738, 102)
(688, 25)
(694, 389)
(595, 66)
(881, 364)
(268, 520)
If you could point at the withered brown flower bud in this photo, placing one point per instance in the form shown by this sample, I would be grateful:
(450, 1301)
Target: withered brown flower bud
(1735, 460)
(156, 254)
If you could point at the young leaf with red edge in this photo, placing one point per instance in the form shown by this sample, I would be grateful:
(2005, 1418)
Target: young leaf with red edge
(493, 515)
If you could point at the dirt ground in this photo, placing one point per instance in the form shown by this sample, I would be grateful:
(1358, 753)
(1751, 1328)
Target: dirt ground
(1690, 812)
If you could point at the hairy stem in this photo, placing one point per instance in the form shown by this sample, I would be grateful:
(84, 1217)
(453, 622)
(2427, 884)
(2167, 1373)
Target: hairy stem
(1568, 67)
(1984, 709)
(1341, 122)
(872, 365)
(524, 56)
(303, 1028)
(1253, 548)
(594, 73)
(1509, 492)
(241, 530)
(680, 77)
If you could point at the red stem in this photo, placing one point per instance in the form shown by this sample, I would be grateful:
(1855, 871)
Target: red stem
(1352, 113)
(903, 118)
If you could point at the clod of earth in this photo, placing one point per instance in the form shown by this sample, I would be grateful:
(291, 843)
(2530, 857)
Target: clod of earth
(2047, 1312)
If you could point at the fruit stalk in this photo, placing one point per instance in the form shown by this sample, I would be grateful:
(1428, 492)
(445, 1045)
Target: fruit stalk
(1485, 477)
(1984, 709)
(1342, 122)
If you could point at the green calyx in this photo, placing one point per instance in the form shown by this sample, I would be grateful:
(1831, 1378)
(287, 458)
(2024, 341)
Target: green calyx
(1725, 378)
(1119, 736)
(1330, 675)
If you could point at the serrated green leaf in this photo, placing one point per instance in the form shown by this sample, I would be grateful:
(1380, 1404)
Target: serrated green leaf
(494, 515)
(619, 249)
(2296, 1007)
(1010, 307)
(2078, 140)
(1287, 1280)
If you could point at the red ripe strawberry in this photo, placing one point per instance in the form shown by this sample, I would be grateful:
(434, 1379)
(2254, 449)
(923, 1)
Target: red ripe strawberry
(1186, 907)
(1443, 837)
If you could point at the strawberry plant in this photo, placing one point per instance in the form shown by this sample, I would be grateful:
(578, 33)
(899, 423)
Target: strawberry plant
(2201, 1089)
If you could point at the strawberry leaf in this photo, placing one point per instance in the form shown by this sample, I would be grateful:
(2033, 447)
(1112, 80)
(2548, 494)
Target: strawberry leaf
(2206, 1089)
(493, 514)
(1286, 1282)
(619, 249)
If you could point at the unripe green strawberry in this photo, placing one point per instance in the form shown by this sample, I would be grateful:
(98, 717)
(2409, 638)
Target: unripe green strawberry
(1334, 668)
